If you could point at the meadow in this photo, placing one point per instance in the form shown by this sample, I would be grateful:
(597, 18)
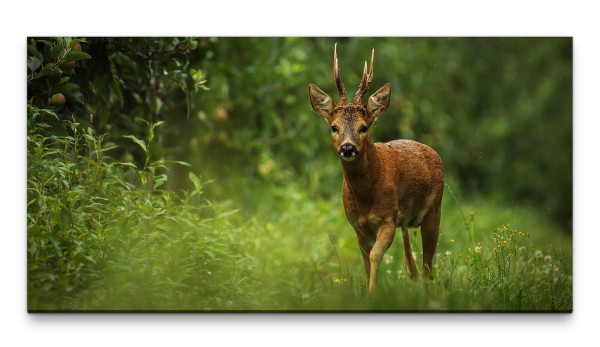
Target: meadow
(118, 219)
(99, 243)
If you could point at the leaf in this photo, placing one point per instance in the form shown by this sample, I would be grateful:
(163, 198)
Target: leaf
(32, 51)
(127, 164)
(50, 71)
(68, 88)
(159, 180)
(179, 162)
(77, 97)
(193, 44)
(107, 148)
(71, 91)
(154, 125)
(73, 42)
(140, 143)
(33, 63)
(56, 51)
(115, 88)
(227, 213)
(196, 75)
(90, 258)
(195, 180)
(76, 55)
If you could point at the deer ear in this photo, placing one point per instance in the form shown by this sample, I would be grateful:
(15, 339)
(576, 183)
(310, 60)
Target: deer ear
(320, 101)
(379, 101)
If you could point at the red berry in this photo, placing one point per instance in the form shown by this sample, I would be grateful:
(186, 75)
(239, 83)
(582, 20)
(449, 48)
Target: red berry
(58, 99)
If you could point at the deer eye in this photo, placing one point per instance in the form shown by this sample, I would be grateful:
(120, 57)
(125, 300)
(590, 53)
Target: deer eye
(334, 129)
(363, 129)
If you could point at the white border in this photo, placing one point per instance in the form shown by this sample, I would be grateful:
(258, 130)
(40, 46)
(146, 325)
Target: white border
(299, 18)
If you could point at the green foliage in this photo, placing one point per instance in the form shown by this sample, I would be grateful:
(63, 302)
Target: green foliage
(100, 237)
(71, 193)
(113, 81)
(498, 110)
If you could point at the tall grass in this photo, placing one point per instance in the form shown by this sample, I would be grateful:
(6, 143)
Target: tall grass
(104, 235)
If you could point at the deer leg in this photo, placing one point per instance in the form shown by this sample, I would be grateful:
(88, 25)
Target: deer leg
(429, 236)
(410, 261)
(385, 236)
(365, 249)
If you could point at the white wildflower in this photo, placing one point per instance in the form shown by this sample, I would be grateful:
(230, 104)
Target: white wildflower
(539, 254)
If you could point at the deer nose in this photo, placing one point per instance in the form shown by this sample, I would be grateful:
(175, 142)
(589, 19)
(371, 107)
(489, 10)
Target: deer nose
(348, 150)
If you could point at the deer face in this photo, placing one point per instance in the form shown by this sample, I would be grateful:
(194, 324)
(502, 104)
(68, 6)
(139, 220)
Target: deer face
(350, 123)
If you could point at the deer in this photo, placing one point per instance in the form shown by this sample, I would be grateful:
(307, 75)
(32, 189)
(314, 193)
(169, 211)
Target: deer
(398, 184)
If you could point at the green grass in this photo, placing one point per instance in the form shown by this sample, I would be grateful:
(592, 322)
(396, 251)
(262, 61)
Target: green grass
(103, 235)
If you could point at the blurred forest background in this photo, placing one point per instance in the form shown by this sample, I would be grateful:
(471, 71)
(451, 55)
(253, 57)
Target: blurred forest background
(230, 119)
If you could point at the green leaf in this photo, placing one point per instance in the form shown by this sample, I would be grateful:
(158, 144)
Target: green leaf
(127, 164)
(154, 125)
(179, 162)
(56, 51)
(73, 42)
(32, 51)
(50, 71)
(195, 180)
(139, 142)
(71, 91)
(227, 213)
(46, 42)
(115, 88)
(76, 55)
(76, 96)
(68, 87)
(159, 180)
(107, 148)
(49, 113)
(196, 75)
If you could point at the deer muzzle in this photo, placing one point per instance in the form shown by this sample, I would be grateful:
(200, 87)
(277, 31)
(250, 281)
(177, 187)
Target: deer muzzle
(348, 152)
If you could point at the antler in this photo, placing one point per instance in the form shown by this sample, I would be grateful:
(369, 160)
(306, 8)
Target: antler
(336, 76)
(365, 81)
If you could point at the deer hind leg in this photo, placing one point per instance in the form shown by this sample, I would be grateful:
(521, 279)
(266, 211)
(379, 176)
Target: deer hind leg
(429, 235)
(385, 236)
(410, 261)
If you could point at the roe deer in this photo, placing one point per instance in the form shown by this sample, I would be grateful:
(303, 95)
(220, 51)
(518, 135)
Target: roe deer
(386, 185)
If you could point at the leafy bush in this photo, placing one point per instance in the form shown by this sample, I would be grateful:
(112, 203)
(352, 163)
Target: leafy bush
(98, 232)
(72, 191)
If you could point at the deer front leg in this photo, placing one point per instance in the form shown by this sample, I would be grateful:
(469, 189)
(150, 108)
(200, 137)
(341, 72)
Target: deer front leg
(365, 244)
(385, 236)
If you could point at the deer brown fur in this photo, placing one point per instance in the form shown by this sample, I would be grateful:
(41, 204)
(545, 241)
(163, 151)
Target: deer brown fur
(386, 185)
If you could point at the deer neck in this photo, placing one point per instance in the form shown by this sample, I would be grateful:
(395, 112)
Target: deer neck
(361, 175)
